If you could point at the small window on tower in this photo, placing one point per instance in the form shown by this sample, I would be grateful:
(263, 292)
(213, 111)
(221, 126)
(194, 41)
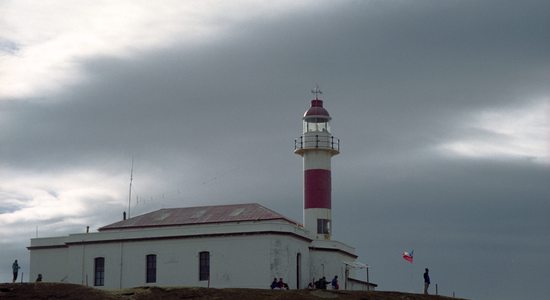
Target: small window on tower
(323, 226)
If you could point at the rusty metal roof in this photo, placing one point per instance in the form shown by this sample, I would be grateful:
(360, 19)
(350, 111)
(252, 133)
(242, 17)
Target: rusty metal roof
(199, 215)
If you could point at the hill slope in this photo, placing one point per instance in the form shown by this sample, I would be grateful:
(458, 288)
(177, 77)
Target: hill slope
(49, 291)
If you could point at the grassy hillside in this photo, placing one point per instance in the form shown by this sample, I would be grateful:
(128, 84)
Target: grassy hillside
(50, 291)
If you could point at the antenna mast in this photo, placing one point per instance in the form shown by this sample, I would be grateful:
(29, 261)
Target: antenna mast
(130, 189)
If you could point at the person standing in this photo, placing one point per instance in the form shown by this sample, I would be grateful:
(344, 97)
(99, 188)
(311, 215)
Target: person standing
(15, 267)
(323, 283)
(426, 281)
(334, 283)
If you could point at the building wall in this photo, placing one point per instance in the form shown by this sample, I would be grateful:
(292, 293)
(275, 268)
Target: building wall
(357, 285)
(235, 261)
(241, 255)
(51, 263)
(328, 264)
(286, 263)
(328, 258)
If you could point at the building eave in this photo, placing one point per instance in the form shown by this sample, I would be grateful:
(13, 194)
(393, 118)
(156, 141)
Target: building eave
(333, 250)
(363, 282)
(47, 247)
(105, 229)
(172, 237)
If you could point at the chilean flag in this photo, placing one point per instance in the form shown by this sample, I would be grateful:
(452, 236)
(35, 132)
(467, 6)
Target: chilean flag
(408, 256)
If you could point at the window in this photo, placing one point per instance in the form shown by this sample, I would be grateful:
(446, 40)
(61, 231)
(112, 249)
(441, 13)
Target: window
(99, 271)
(151, 268)
(204, 265)
(316, 124)
(323, 226)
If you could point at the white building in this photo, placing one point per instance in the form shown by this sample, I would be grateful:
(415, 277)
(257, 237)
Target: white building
(243, 245)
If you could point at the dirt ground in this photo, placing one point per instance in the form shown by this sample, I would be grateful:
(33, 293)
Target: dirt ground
(51, 291)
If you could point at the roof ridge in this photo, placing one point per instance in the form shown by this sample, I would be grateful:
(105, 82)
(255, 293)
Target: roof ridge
(220, 205)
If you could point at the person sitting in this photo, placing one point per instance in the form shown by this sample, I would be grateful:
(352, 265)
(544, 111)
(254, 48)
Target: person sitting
(274, 284)
(39, 278)
(282, 285)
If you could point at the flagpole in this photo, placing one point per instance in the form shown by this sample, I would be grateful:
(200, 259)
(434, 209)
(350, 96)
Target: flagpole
(412, 279)
(409, 257)
(412, 271)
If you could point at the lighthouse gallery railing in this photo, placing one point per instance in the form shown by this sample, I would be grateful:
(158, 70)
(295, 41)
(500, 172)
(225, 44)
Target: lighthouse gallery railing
(317, 141)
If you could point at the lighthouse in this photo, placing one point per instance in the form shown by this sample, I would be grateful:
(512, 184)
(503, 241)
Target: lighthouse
(226, 242)
(317, 146)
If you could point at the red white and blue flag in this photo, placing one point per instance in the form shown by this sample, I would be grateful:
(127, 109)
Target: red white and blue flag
(408, 256)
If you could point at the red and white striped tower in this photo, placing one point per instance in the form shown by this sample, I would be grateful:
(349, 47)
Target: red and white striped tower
(317, 146)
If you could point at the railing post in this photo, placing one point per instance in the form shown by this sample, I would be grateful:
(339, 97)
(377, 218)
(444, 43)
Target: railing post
(316, 141)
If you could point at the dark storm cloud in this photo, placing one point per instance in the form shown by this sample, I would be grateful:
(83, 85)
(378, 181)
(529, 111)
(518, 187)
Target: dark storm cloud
(215, 124)
(387, 66)
(468, 221)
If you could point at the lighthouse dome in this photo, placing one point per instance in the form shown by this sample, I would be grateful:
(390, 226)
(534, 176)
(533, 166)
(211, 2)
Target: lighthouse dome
(316, 113)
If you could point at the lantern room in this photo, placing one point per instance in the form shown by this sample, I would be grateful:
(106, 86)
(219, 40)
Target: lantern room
(316, 118)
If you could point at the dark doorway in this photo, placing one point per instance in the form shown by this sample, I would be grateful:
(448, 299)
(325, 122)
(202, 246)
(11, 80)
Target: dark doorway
(298, 269)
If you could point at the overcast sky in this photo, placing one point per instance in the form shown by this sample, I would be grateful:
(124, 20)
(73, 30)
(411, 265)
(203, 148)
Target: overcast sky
(442, 108)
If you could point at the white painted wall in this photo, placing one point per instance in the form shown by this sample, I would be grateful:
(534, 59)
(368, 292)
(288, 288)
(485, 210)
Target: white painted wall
(251, 257)
(235, 261)
(317, 159)
(328, 264)
(328, 259)
(354, 285)
(310, 221)
(51, 263)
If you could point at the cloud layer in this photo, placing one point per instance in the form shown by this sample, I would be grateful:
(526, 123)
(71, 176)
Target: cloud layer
(442, 108)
